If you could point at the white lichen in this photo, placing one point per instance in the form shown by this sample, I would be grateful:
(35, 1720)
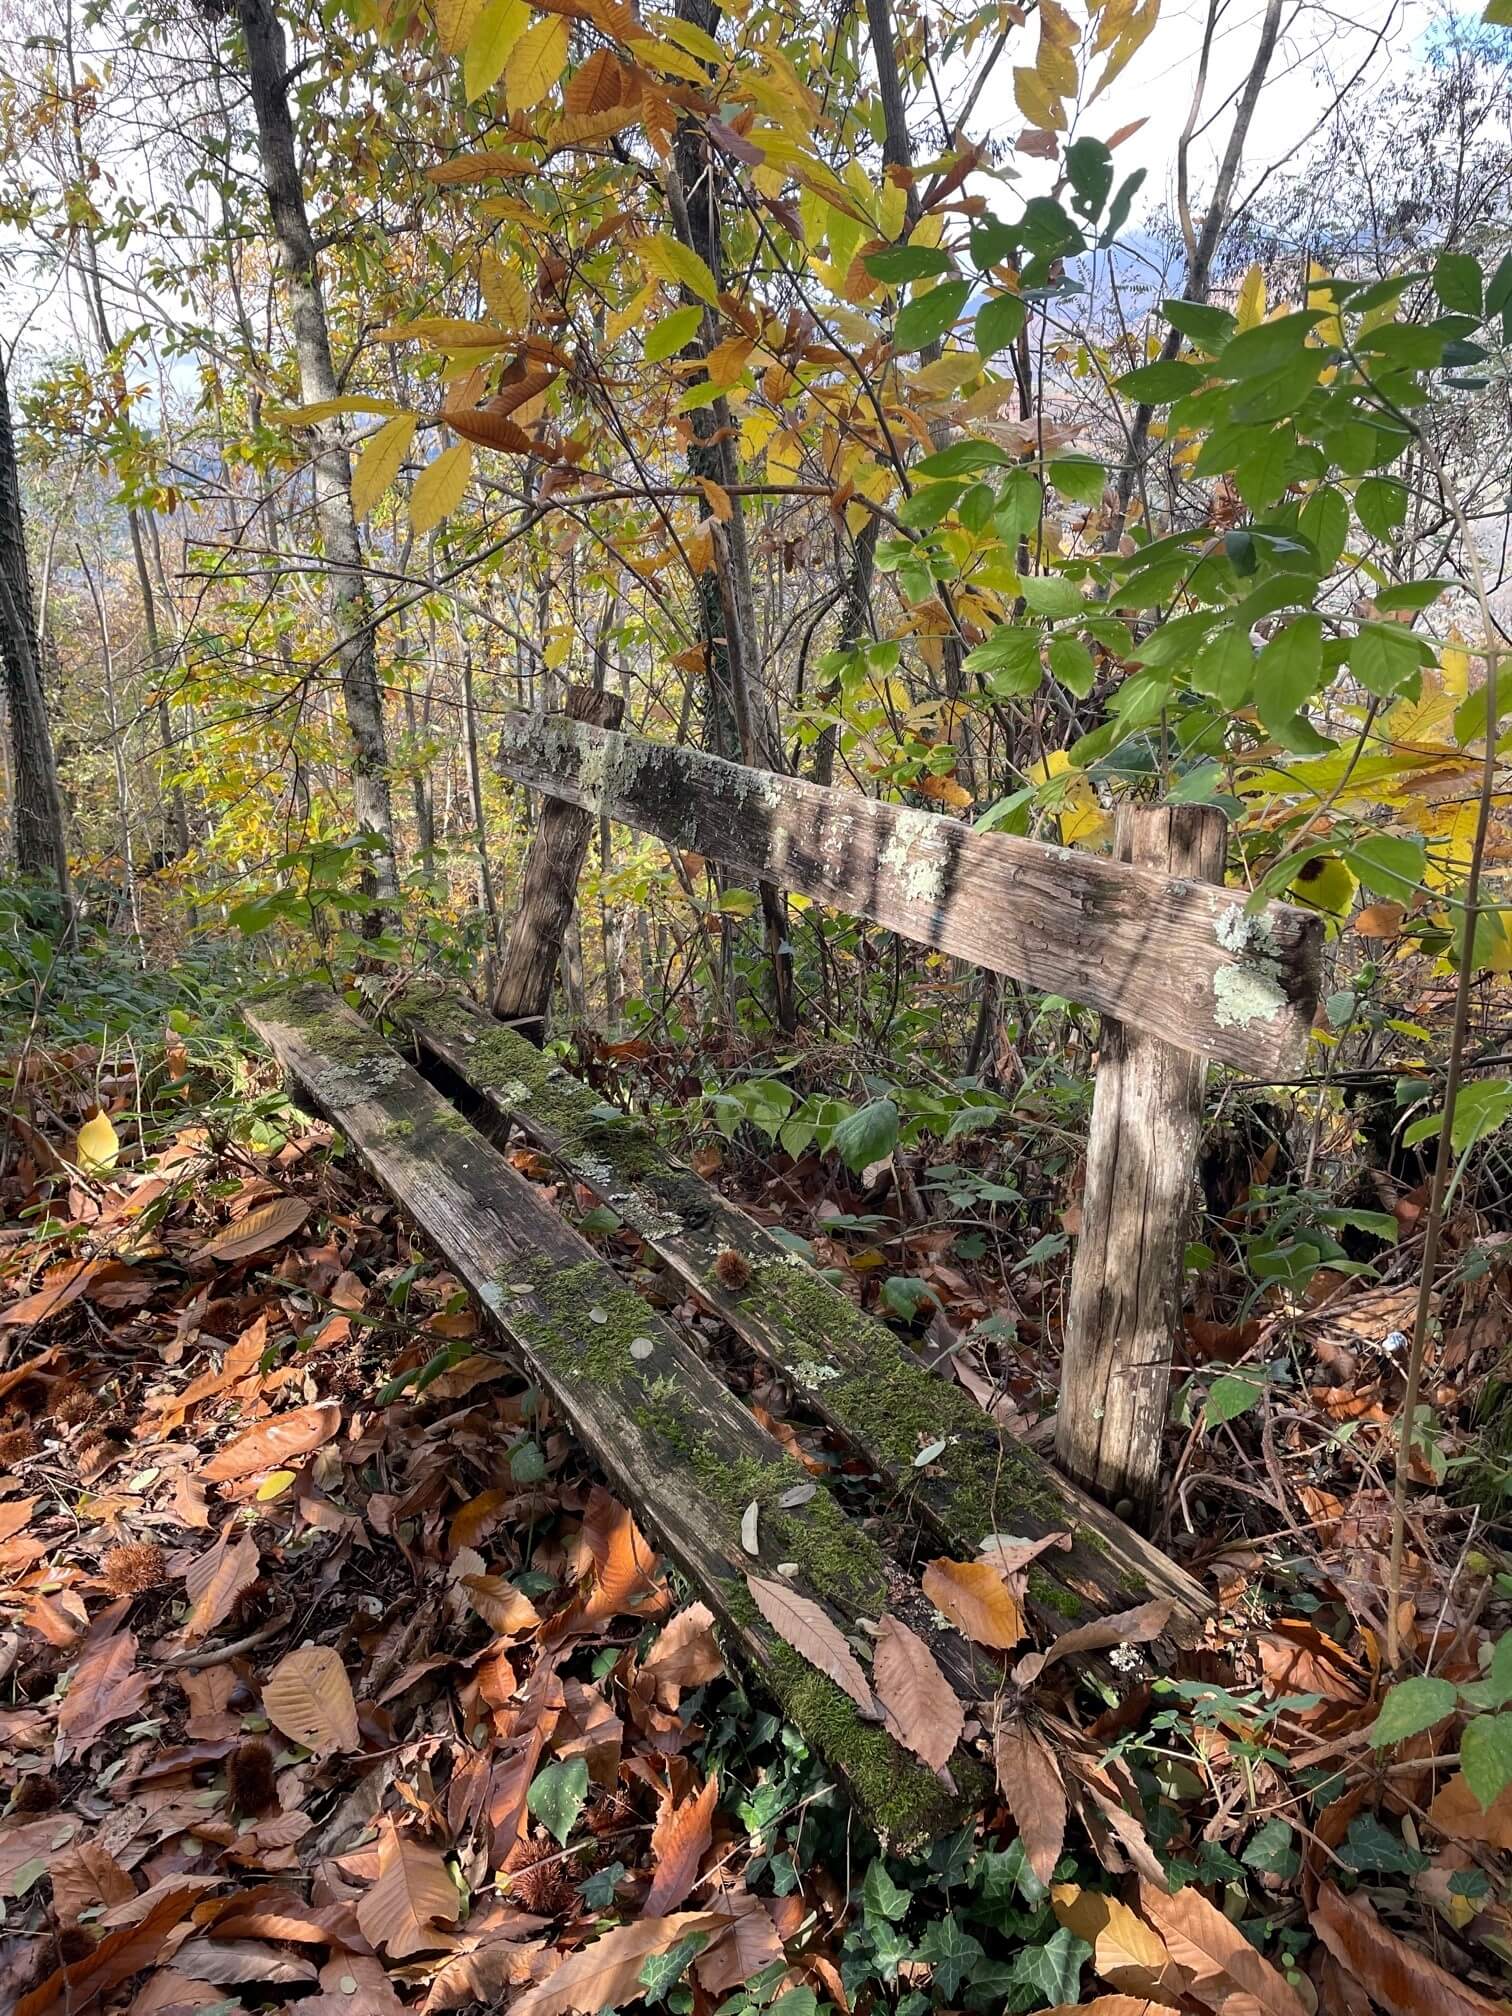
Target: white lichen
(1251, 992)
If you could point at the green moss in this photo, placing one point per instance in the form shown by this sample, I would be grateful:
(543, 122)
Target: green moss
(1052, 1595)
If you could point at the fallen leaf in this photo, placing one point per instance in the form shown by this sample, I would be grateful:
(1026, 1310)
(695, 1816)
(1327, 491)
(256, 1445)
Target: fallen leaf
(920, 1706)
(118, 1956)
(686, 1654)
(1125, 1951)
(106, 1687)
(482, 1973)
(85, 1878)
(624, 1560)
(1457, 1812)
(309, 1697)
(27, 1841)
(1030, 1780)
(1109, 2005)
(501, 1606)
(1126, 1627)
(751, 1943)
(1400, 1979)
(96, 1146)
(60, 1286)
(273, 1444)
(228, 1962)
(215, 1579)
(976, 1599)
(1221, 1962)
(799, 1622)
(606, 1975)
(413, 1889)
(679, 1842)
(263, 1226)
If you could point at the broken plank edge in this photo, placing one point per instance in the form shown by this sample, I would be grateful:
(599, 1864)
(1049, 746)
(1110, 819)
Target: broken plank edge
(884, 1401)
(676, 1445)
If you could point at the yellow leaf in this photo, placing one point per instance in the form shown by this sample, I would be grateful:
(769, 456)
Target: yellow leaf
(504, 291)
(379, 462)
(1039, 105)
(324, 409)
(535, 63)
(1250, 307)
(97, 1145)
(1081, 818)
(1126, 43)
(275, 1484)
(1321, 295)
(500, 25)
(1326, 885)
(455, 22)
(1126, 1952)
(976, 1599)
(667, 258)
(1454, 664)
(440, 486)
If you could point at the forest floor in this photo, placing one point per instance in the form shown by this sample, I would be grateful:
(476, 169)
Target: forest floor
(321, 1697)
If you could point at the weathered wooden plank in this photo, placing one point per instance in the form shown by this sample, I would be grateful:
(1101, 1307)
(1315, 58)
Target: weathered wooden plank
(1160, 952)
(548, 889)
(1125, 1301)
(852, 1369)
(674, 1442)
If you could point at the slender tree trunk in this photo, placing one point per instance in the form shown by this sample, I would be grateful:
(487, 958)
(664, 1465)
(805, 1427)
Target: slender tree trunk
(331, 468)
(475, 789)
(117, 750)
(41, 846)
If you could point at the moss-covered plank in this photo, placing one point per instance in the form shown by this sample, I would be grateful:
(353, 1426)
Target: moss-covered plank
(1106, 933)
(671, 1438)
(854, 1371)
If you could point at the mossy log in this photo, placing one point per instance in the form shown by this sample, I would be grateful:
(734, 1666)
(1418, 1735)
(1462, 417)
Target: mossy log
(855, 1373)
(673, 1441)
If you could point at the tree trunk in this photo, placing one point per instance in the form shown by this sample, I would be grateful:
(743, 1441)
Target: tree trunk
(331, 468)
(36, 808)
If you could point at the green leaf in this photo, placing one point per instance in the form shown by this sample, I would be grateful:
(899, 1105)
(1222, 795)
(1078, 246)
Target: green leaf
(672, 333)
(880, 1896)
(867, 1135)
(1261, 473)
(963, 458)
(1161, 383)
(1388, 865)
(1207, 326)
(1050, 595)
(1270, 1849)
(1381, 505)
(1324, 519)
(998, 323)
(1375, 1850)
(904, 1295)
(926, 317)
(1224, 669)
(1269, 345)
(1052, 1972)
(1495, 1691)
(1480, 1108)
(1019, 504)
(1383, 657)
(1289, 672)
(661, 1972)
(557, 1795)
(898, 264)
(1009, 660)
(951, 1953)
(526, 1464)
(1078, 477)
(1411, 1707)
(1090, 167)
(1457, 283)
(1231, 1395)
(1486, 1756)
(1499, 286)
(1071, 664)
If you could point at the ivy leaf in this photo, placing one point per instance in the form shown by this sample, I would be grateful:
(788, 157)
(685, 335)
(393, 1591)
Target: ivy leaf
(951, 1952)
(1271, 1850)
(661, 1972)
(927, 316)
(880, 1896)
(1373, 1849)
(557, 1795)
(1053, 1971)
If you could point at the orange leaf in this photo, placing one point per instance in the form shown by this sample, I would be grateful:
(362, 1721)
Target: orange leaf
(921, 1707)
(215, 1578)
(1380, 920)
(309, 1697)
(679, 1843)
(977, 1600)
(412, 1891)
(625, 1560)
(606, 1975)
(501, 1606)
(1457, 1812)
(1029, 1779)
(685, 1655)
(275, 1444)
(1223, 1964)
(119, 1955)
(1397, 1977)
(60, 1286)
(263, 1226)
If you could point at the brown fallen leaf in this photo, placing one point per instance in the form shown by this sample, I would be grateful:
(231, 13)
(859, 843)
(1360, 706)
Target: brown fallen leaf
(215, 1579)
(482, 1974)
(679, 1842)
(920, 1706)
(624, 1560)
(1125, 1951)
(117, 1957)
(751, 1943)
(84, 1878)
(23, 1842)
(275, 1444)
(413, 1890)
(607, 1973)
(60, 1286)
(309, 1697)
(1030, 1780)
(501, 1606)
(263, 1226)
(1399, 1979)
(227, 1962)
(1106, 2005)
(976, 1599)
(1221, 1962)
(1457, 1812)
(799, 1622)
(1127, 1627)
(106, 1687)
(685, 1654)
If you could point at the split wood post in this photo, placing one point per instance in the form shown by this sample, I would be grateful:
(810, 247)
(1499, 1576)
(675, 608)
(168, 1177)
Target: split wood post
(548, 889)
(1141, 1158)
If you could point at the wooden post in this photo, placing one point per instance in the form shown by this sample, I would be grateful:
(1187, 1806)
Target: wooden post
(548, 890)
(1141, 1157)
